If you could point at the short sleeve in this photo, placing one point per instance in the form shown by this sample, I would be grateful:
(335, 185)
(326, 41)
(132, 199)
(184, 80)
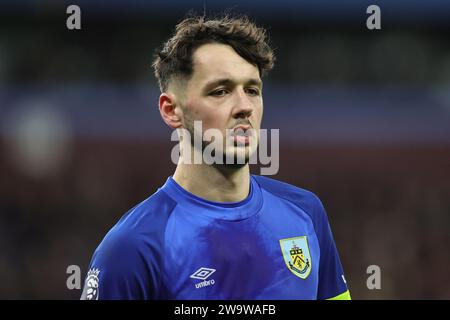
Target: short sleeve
(122, 268)
(332, 283)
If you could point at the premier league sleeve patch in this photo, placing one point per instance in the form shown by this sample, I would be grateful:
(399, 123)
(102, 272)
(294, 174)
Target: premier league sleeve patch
(297, 256)
(91, 287)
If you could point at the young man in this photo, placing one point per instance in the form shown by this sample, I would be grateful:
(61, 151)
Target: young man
(213, 231)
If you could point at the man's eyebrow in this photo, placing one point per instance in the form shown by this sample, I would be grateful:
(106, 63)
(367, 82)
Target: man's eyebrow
(227, 81)
(256, 82)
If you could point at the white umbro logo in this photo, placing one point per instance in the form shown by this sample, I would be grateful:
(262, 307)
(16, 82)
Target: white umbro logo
(203, 274)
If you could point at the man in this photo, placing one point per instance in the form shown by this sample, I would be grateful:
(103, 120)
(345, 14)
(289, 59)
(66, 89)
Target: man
(213, 231)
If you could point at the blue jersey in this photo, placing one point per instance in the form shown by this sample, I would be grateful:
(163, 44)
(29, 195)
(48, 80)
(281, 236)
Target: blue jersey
(276, 244)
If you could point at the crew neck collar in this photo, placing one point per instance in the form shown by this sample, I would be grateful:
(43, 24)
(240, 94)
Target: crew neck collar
(232, 211)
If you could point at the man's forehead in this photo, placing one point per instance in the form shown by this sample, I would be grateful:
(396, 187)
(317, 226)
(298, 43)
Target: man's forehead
(216, 62)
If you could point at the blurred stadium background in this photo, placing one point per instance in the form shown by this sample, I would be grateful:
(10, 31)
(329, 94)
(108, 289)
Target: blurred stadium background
(364, 120)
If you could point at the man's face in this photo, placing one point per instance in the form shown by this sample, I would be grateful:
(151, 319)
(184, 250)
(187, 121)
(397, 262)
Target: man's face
(224, 92)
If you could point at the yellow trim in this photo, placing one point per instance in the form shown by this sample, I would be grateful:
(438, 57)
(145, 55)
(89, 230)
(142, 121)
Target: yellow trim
(342, 296)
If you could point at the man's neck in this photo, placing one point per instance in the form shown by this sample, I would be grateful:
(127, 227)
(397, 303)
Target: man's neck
(214, 183)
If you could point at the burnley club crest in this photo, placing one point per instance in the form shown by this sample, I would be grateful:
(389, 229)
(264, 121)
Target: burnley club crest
(296, 255)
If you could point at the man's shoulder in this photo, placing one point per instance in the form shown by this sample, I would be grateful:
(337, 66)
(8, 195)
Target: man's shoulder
(150, 212)
(284, 189)
(143, 223)
(305, 199)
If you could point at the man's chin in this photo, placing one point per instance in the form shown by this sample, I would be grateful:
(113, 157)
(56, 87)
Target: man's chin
(233, 157)
(234, 165)
(236, 158)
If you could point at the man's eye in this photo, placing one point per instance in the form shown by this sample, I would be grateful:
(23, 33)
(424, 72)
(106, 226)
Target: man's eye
(219, 93)
(253, 92)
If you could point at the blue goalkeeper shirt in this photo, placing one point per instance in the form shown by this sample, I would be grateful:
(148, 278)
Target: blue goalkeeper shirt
(276, 244)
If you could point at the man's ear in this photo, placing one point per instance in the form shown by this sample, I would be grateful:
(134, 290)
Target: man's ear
(170, 112)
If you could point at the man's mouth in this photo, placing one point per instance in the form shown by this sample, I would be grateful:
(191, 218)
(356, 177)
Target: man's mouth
(241, 135)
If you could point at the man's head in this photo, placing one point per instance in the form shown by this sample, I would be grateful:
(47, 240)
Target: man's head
(210, 71)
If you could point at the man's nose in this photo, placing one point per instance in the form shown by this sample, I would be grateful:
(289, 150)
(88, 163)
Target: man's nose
(243, 106)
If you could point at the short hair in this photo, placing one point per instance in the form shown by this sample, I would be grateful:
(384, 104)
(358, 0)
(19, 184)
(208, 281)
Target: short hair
(174, 58)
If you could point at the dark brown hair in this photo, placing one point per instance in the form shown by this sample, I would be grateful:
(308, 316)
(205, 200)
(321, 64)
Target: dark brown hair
(174, 59)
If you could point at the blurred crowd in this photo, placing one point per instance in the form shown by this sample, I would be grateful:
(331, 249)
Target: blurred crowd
(70, 169)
